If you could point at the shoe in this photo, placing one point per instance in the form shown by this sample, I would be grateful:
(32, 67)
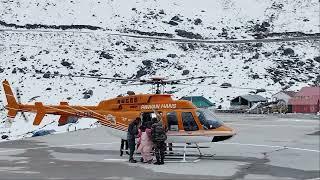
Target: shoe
(141, 160)
(132, 161)
(161, 163)
(156, 163)
(149, 162)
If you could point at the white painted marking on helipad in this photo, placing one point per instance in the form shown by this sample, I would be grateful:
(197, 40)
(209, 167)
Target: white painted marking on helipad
(48, 147)
(273, 125)
(300, 120)
(271, 146)
(197, 160)
(120, 160)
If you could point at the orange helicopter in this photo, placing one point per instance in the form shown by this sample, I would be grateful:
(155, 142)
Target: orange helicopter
(185, 122)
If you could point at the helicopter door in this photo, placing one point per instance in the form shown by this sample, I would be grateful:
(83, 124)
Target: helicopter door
(172, 121)
(147, 116)
(189, 123)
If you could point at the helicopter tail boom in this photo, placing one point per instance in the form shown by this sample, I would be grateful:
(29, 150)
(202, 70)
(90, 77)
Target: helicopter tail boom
(13, 107)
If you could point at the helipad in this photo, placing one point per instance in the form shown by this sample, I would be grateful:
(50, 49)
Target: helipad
(266, 147)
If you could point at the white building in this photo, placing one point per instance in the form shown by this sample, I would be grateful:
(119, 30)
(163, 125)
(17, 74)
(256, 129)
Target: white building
(283, 96)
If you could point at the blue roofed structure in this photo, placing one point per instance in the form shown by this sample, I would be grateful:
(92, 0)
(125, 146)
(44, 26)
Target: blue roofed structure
(199, 101)
(247, 101)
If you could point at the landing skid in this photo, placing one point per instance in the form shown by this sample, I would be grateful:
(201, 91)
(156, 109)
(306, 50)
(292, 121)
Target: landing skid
(184, 154)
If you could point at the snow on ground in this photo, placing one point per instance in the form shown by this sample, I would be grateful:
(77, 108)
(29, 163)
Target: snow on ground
(273, 65)
(237, 17)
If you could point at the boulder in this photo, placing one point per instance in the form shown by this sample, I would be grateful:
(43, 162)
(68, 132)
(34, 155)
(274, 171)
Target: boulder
(4, 136)
(46, 75)
(225, 85)
(23, 59)
(173, 23)
(65, 63)
(141, 72)
(147, 63)
(317, 59)
(105, 55)
(185, 72)
(197, 21)
(176, 19)
(172, 55)
(288, 52)
(87, 94)
(187, 34)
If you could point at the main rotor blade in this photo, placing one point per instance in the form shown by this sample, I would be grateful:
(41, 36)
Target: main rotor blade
(226, 87)
(89, 76)
(249, 88)
(190, 78)
(187, 84)
(133, 84)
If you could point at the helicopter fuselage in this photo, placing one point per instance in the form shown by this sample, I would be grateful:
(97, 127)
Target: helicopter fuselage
(184, 122)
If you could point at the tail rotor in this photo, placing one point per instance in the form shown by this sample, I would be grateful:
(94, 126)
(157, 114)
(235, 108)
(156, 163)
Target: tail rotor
(18, 94)
(13, 106)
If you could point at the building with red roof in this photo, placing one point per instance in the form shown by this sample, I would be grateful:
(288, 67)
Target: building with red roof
(307, 100)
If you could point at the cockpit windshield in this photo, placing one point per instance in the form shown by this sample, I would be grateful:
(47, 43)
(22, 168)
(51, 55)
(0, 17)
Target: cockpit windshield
(207, 119)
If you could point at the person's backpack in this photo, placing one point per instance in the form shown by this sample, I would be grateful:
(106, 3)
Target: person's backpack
(158, 134)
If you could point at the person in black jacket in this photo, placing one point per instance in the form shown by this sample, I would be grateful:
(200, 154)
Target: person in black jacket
(131, 137)
(159, 137)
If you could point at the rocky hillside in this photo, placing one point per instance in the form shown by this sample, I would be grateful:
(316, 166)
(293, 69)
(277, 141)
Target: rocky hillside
(108, 38)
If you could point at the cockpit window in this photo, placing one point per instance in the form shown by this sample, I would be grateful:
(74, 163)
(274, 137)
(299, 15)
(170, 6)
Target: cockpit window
(207, 119)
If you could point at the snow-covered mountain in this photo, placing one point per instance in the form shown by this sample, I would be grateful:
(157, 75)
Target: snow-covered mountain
(108, 38)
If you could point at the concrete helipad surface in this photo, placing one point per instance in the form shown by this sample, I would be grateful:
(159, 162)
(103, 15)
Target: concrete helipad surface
(266, 147)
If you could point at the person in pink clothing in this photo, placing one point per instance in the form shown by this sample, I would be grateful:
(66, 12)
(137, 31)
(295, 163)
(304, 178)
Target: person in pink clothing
(145, 143)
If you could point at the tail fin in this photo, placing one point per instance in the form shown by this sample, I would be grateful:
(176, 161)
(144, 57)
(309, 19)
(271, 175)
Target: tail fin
(41, 112)
(12, 106)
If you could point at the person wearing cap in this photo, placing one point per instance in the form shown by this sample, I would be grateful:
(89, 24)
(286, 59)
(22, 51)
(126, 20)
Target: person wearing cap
(159, 137)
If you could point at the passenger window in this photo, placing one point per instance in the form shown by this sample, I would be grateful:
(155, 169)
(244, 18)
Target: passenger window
(189, 123)
(172, 121)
